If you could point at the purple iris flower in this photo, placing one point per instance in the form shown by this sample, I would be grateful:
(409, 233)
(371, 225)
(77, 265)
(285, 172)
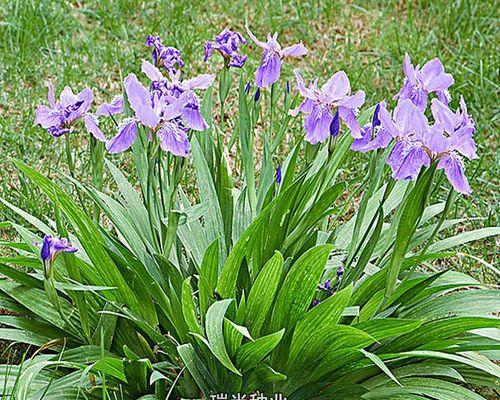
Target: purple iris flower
(59, 116)
(326, 286)
(50, 249)
(164, 56)
(372, 138)
(115, 107)
(248, 87)
(420, 82)
(106, 109)
(417, 143)
(278, 175)
(320, 103)
(407, 127)
(256, 97)
(314, 303)
(272, 56)
(459, 126)
(227, 44)
(170, 109)
(340, 273)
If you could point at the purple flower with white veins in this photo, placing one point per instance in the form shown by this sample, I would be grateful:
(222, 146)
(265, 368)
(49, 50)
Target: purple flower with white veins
(59, 116)
(163, 56)
(420, 82)
(272, 56)
(227, 44)
(320, 103)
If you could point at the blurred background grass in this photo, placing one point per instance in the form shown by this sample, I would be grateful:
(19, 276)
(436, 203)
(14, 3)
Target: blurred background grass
(89, 43)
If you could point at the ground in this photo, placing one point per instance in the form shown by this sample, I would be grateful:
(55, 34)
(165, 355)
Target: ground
(94, 42)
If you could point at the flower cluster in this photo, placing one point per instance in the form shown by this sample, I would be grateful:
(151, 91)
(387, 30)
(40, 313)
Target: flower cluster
(418, 143)
(227, 44)
(170, 108)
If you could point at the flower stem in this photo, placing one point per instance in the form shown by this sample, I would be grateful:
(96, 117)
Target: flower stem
(97, 164)
(71, 167)
(449, 201)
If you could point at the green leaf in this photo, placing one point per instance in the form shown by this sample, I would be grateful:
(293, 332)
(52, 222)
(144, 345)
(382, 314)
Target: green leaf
(321, 208)
(135, 208)
(137, 373)
(196, 367)
(383, 328)
(468, 358)
(251, 354)
(246, 244)
(189, 308)
(246, 143)
(262, 293)
(313, 331)
(425, 387)
(368, 250)
(23, 336)
(379, 363)
(425, 368)
(36, 301)
(463, 238)
(209, 271)
(214, 331)
(214, 223)
(21, 277)
(458, 304)
(42, 227)
(299, 287)
(437, 330)
(412, 212)
(262, 375)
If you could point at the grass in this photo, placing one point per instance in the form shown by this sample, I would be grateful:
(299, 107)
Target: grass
(91, 42)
